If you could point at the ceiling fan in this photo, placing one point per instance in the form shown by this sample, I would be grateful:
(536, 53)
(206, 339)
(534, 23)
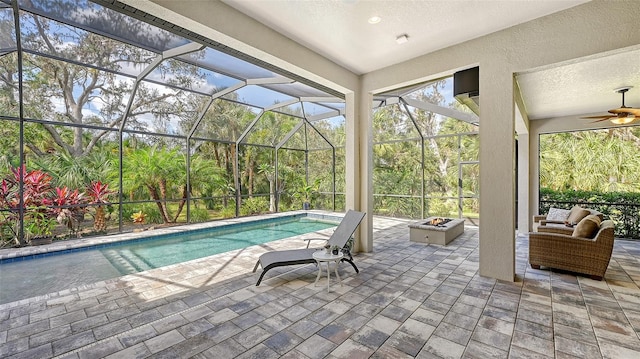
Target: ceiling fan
(622, 115)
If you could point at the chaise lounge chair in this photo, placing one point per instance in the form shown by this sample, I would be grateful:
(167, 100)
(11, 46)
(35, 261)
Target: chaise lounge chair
(339, 238)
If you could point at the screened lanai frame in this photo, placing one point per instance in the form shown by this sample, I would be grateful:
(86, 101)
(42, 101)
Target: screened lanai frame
(294, 97)
(406, 100)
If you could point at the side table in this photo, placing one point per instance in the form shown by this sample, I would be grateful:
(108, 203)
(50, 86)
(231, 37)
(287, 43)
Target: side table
(323, 256)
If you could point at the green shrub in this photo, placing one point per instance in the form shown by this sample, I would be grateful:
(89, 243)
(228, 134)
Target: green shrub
(127, 212)
(199, 215)
(254, 205)
(441, 208)
(7, 234)
(229, 211)
(151, 212)
(547, 194)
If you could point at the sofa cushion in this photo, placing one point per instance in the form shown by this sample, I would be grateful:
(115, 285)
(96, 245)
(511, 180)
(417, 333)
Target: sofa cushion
(599, 214)
(558, 214)
(577, 214)
(587, 227)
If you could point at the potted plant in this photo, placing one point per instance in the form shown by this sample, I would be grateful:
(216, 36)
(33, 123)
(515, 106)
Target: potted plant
(335, 250)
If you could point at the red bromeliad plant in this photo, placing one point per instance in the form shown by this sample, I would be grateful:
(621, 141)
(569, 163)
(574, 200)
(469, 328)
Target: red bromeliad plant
(42, 204)
(69, 205)
(98, 193)
(36, 187)
(36, 197)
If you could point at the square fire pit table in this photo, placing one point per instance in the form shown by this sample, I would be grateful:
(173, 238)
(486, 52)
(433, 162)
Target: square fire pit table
(441, 233)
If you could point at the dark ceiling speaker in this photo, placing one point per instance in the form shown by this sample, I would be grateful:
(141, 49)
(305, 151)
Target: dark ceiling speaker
(466, 82)
(466, 88)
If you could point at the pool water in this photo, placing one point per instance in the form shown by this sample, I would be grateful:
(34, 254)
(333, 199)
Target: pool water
(53, 273)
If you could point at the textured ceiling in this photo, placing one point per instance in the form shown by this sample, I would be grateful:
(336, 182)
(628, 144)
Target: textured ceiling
(338, 29)
(583, 86)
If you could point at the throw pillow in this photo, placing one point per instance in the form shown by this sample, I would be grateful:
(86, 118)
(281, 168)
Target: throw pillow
(588, 227)
(577, 214)
(599, 214)
(558, 214)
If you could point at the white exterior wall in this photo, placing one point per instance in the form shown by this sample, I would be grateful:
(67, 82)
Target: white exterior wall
(588, 29)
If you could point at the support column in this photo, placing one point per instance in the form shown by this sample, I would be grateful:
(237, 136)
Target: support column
(359, 164)
(524, 219)
(534, 172)
(497, 183)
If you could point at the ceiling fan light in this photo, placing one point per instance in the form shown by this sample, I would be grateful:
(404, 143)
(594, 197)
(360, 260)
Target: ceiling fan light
(623, 120)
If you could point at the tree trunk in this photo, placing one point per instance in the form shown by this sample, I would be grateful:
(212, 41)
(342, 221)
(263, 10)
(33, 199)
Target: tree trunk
(235, 173)
(250, 180)
(181, 204)
(442, 164)
(163, 196)
(247, 170)
(156, 197)
(99, 223)
(272, 195)
(216, 155)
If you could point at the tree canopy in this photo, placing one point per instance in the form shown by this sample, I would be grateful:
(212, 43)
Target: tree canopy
(599, 160)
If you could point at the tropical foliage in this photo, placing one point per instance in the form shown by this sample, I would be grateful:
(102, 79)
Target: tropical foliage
(414, 148)
(602, 160)
(99, 194)
(599, 169)
(110, 146)
(39, 206)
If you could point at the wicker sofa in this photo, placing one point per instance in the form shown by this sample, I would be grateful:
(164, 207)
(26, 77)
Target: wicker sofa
(588, 256)
(542, 224)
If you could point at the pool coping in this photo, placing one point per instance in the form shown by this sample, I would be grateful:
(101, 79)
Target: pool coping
(11, 254)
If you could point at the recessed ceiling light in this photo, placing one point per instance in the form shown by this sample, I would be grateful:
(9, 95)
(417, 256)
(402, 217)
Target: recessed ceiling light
(402, 39)
(374, 19)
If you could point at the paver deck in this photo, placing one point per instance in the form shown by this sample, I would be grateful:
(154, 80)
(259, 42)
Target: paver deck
(409, 300)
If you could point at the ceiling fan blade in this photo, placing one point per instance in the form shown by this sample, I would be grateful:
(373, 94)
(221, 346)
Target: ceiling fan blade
(605, 117)
(625, 110)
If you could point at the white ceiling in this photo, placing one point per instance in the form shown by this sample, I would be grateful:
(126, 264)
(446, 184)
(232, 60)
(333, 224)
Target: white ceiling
(582, 86)
(338, 29)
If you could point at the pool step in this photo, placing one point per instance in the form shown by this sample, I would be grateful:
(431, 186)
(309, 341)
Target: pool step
(125, 261)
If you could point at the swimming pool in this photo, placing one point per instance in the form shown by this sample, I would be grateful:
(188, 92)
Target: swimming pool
(53, 272)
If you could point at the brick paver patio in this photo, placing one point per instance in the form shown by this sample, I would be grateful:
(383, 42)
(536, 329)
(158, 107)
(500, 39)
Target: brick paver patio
(409, 300)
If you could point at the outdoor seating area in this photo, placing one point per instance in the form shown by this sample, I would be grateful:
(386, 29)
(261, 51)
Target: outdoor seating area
(409, 300)
(576, 240)
(588, 256)
(562, 221)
